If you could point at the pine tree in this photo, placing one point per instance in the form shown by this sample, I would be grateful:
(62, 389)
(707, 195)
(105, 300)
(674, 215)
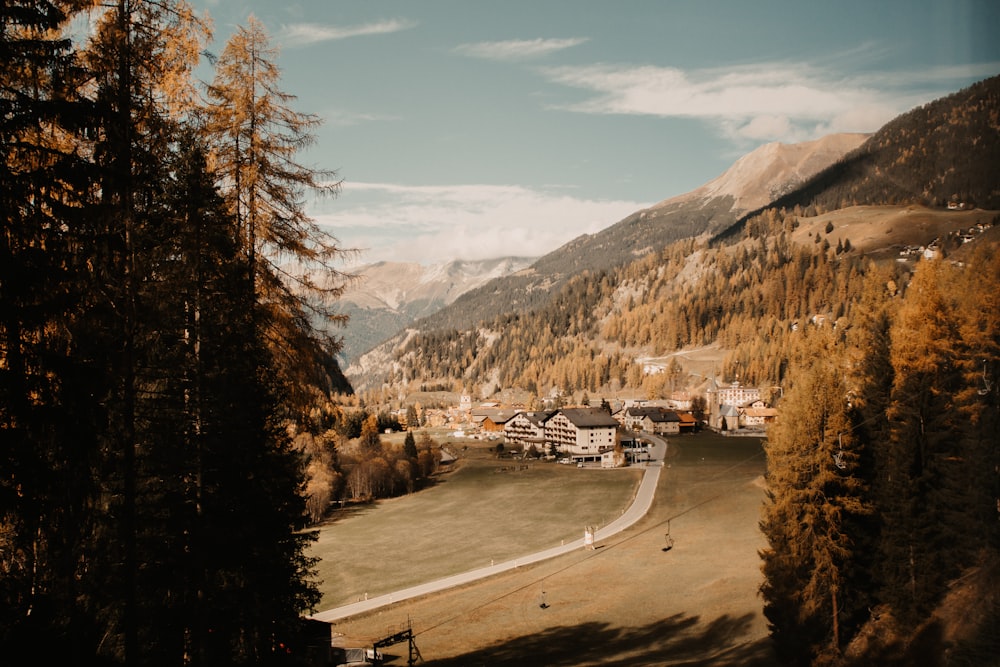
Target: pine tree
(939, 496)
(410, 445)
(976, 295)
(47, 394)
(814, 495)
(922, 537)
(151, 507)
(141, 55)
(370, 441)
(256, 137)
(870, 386)
(220, 510)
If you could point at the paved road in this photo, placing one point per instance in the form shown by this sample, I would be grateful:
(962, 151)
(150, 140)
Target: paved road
(640, 505)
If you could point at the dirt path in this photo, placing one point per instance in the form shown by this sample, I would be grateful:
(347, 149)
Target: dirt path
(628, 601)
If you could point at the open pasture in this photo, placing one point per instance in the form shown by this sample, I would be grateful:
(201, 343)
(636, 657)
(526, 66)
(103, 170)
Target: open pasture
(629, 601)
(485, 509)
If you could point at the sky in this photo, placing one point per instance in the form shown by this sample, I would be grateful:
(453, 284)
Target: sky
(468, 129)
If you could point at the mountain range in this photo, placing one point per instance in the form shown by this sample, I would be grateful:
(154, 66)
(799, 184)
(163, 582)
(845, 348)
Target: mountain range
(878, 195)
(385, 297)
(388, 297)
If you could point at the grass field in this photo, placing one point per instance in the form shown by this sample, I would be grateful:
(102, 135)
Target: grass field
(628, 602)
(473, 515)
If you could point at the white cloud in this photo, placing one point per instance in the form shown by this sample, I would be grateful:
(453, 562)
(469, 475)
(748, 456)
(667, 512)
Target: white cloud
(435, 223)
(341, 117)
(763, 101)
(517, 49)
(739, 93)
(304, 34)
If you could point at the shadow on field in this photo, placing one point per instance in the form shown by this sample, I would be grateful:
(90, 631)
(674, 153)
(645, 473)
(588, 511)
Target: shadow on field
(346, 511)
(679, 640)
(351, 508)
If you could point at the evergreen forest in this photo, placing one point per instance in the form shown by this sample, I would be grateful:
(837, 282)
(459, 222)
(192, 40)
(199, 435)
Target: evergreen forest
(157, 352)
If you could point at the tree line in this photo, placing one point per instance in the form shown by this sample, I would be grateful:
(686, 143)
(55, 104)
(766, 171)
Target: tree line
(156, 345)
(882, 472)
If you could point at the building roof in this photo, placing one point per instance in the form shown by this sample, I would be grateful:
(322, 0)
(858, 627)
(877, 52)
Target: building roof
(496, 416)
(729, 411)
(588, 417)
(654, 414)
(687, 419)
(538, 417)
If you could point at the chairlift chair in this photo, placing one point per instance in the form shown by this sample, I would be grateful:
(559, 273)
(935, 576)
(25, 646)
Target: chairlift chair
(987, 386)
(838, 458)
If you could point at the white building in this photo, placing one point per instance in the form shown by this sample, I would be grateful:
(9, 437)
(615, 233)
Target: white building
(526, 429)
(737, 395)
(581, 432)
(757, 415)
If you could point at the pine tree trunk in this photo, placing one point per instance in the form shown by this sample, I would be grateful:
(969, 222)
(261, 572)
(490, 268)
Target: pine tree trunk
(836, 619)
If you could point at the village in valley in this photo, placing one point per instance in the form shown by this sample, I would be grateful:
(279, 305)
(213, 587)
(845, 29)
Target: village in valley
(600, 431)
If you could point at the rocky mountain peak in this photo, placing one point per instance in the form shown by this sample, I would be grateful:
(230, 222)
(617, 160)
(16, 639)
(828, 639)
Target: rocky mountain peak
(772, 170)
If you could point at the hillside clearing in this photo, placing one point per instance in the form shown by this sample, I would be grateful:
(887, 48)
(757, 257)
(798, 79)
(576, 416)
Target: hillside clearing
(877, 228)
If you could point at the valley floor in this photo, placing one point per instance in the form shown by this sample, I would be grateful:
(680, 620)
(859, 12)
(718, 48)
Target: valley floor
(629, 601)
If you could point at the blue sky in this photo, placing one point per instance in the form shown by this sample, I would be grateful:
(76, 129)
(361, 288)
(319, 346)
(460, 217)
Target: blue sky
(468, 129)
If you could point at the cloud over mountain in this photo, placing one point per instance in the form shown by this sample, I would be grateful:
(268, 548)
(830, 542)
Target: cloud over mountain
(435, 223)
(757, 101)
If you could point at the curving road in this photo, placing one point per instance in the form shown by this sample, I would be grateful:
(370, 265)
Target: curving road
(640, 505)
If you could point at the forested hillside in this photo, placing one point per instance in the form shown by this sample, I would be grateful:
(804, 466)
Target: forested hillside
(153, 358)
(749, 298)
(942, 152)
(758, 177)
(746, 292)
(882, 476)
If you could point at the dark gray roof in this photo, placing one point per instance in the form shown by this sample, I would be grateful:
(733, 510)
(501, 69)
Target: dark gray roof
(538, 417)
(655, 414)
(589, 417)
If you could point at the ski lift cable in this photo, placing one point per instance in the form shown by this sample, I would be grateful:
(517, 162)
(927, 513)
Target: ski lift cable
(627, 538)
(593, 554)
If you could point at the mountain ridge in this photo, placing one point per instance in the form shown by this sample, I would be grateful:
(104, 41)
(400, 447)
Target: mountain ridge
(940, 156)
(384, 297)
(772, 170)
(708, 210)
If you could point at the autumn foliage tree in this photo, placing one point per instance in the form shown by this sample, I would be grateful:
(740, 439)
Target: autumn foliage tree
(151, 496)
(938, 498)
(256, 138)
(882, 479)
(816, 496)
(49, 396)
